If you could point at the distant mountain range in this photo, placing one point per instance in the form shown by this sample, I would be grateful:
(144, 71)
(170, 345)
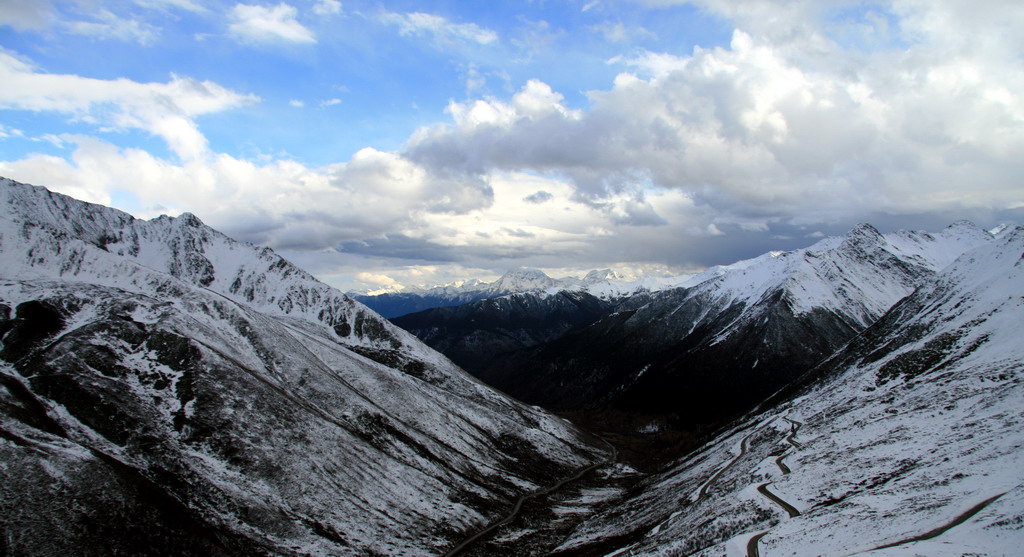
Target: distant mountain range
(696, 353)
(604, 284)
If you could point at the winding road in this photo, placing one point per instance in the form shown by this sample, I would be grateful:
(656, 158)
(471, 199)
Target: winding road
(703, 491)
(794, 426)
(612, 455)
(792, 511)
(752, 544)
(763, 490)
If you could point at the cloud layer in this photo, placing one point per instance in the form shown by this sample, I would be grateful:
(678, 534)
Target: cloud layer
(812, 117)
(756, 130)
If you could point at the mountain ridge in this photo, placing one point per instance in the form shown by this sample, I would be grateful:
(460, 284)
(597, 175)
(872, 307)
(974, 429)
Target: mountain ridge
(905, 441)
(157, 370)
(601, 283)
(750, 326)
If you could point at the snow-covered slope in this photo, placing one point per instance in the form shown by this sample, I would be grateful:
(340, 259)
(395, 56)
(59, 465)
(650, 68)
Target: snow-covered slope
(910, 441)
(734, 334)
(165, 386)
(859, 275)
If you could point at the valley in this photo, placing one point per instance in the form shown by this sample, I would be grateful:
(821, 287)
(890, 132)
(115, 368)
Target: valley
(168, 390)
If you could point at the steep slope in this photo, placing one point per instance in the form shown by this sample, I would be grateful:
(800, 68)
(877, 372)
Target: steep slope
(733, 335)
(169, 390)
(907, 442)
(474, 334)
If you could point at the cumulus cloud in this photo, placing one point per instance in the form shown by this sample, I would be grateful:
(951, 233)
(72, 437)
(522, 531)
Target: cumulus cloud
(261, 24)
(276, 202)
(438, 27)
(785, 122)
(364, 202)
(166, 110)
(903, 115)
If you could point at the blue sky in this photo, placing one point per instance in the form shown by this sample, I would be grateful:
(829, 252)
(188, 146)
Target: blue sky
(386, 143)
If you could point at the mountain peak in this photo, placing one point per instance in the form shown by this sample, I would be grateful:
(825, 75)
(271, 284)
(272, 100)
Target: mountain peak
(863, 237)
(189, 219)
(966, 229)
(598, 275)
(522, 280)
(864, 230)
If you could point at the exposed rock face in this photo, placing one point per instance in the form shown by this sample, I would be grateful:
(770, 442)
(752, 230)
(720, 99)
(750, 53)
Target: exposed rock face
(168, 390)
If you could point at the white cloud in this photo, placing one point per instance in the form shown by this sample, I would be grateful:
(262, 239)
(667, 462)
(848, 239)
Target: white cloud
(801, 120)
(112, 26)
(278, 202)
(163, 109)
(444, 31)
(6, 132)
(330, 102)
(327, 7)
(783, 123)
(54, 140)
(260, 24)
(296, 103)
(653, 64)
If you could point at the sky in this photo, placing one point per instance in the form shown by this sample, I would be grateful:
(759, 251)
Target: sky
(394, 143)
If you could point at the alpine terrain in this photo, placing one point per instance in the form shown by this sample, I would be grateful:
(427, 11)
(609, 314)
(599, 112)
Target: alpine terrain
(167, 390)
(604, 284)
(908, 441)
(702, 352)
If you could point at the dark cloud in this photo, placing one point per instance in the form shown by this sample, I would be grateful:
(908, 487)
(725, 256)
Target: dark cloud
(538, 197)
(400, 246)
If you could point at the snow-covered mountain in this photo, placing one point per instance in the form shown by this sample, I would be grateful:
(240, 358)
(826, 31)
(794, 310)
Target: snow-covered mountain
(167, 387)
(604, 284)
(907, 442)
(729, 337)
